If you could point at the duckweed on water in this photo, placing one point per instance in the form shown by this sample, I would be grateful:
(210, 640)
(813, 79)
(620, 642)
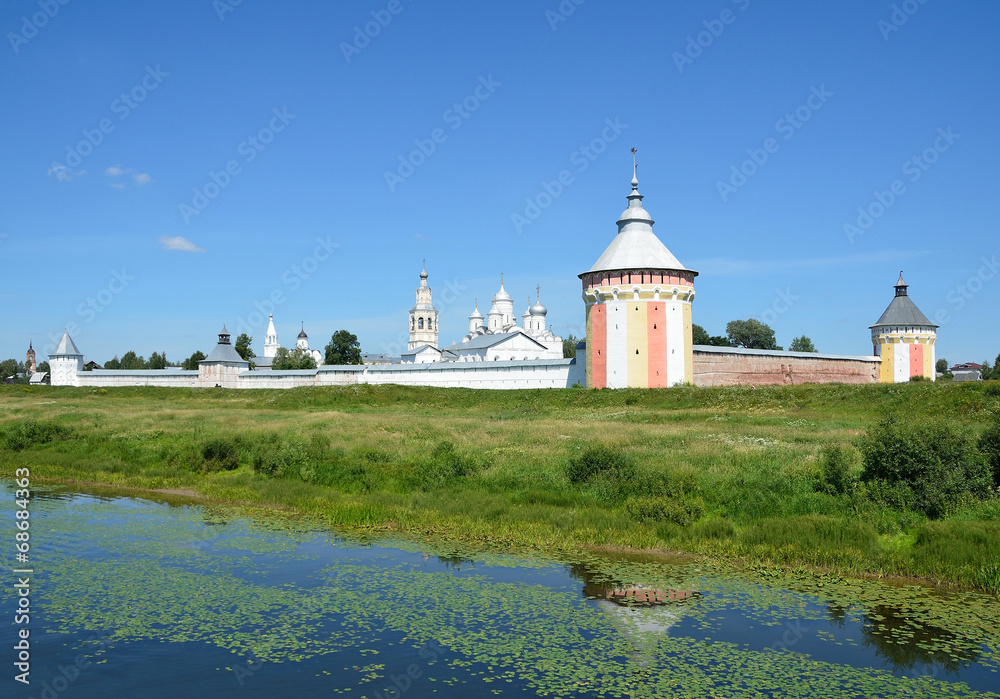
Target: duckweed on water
(137, 571)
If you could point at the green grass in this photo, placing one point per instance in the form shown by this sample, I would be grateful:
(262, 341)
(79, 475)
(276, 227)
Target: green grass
(734, 473)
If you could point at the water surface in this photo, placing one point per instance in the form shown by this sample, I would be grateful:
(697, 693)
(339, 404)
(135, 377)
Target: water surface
(162, 597)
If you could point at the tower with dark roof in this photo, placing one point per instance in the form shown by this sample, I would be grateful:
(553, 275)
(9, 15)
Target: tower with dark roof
(905, 339)
(423, 317)
(30, 367)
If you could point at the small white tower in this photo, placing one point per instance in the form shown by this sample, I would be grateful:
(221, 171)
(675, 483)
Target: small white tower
(475, 319)
(302, 341)
(526, 317)
(538, 313)
(505, 304)
(423, 316)
(494, 318)
(65, 362)
(271, 339)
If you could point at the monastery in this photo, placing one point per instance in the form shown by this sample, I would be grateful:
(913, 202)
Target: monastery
(638, 301)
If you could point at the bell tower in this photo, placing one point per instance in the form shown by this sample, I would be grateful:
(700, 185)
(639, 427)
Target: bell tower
(423, 316)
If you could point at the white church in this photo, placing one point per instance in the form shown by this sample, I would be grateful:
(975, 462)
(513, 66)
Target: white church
(497, 337)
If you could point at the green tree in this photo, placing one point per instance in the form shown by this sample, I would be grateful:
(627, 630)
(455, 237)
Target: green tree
(157, 360)
(44, 367)
(191, 363)
(569, 346)
(294, 359)
(130, 360)
(802, 344)
(699, 336)
(343, 348)
(114, 363)
(243, 347)
(751, 334)
(8, 369)
(941, 366)
(986, 372)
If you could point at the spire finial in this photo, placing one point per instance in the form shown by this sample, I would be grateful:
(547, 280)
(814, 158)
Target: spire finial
(538, 291)
(501, 280)
(635, 166)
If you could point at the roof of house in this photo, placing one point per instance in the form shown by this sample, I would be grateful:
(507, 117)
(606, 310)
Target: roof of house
(901, 310)
(224, 352)
(490, 340)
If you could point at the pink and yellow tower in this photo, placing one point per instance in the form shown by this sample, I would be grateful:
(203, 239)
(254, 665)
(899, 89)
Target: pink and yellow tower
(638, 298)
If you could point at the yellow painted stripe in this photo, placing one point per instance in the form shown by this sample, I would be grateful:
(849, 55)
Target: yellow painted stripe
(637, 344)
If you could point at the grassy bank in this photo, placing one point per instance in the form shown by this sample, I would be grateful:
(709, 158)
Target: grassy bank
(733, 473)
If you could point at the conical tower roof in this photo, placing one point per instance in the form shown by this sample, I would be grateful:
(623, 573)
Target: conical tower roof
(901, 310)
(636, 246)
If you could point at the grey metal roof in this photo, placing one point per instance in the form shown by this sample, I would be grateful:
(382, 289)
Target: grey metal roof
(902, 311)
(712, 349)
(469, 366)
(636, 246)
(224, 353)
(66, 347)
(422, 348)
(142, 372)
(489, 340)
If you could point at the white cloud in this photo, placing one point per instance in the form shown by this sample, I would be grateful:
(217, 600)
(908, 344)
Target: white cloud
(118, 185)
(141, 178)
(168, 242)
(114, 171)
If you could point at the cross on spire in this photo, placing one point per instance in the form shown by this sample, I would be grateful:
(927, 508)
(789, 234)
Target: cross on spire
(538, 291)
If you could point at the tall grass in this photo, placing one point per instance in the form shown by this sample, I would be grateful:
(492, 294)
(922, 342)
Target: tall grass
(766, 474)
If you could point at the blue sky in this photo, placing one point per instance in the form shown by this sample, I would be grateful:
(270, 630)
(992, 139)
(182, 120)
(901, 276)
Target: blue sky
(276, 152)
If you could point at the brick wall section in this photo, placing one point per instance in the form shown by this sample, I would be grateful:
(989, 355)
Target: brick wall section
(725, 366)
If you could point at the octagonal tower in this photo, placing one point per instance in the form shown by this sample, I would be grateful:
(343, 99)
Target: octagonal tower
(638, 298)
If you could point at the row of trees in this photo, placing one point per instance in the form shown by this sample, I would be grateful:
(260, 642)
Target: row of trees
(10, 368)
(751, 334)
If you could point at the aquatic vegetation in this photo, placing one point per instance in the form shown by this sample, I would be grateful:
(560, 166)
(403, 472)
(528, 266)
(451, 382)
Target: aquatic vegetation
(283, 591)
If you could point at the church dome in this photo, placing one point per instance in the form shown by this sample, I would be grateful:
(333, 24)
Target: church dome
(476, 313)
(502, 295)
(538, 309)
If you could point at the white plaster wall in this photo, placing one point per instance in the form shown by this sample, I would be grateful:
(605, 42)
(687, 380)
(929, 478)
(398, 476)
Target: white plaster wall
(675, 342)
(901, 363)
(617, 361)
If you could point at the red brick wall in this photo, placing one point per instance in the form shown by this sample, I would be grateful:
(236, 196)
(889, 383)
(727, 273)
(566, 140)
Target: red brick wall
(728, 369)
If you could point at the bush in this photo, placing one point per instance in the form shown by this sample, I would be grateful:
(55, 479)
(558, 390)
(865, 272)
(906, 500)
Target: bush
(937, 464)
(989, 445)
(29, 432)
(276, 457)
(220, 455)
(666, 509)
(600, 462)
(446, 463)
(835, 471)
